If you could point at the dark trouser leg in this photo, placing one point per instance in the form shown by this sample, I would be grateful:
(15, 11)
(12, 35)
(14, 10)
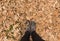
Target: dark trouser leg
(36, 37)
(26, 36)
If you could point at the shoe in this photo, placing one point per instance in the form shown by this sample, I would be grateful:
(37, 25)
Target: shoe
(28, 26)
(32, 26)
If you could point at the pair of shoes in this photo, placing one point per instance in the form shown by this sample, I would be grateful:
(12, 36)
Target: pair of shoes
(31, 26)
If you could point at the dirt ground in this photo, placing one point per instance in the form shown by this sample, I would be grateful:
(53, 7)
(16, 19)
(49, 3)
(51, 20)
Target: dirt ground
(14, 13)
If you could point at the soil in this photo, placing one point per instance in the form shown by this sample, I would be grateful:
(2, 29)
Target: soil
(14, 13)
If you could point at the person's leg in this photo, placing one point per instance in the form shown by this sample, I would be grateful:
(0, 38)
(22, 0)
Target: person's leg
(36, 37)
(26, 36)
(27, 33)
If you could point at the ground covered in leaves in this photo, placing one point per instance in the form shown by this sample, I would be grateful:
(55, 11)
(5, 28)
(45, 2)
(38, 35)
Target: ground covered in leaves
(14, 13)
